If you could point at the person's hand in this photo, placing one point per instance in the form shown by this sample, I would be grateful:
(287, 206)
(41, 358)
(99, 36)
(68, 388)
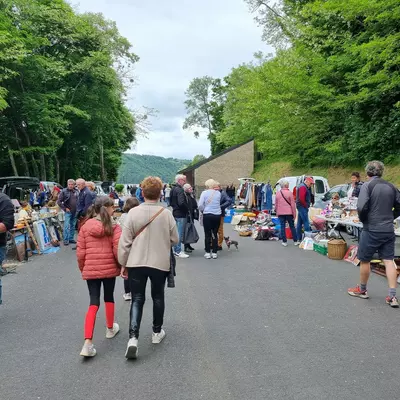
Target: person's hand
(124, 273)
(67, 210)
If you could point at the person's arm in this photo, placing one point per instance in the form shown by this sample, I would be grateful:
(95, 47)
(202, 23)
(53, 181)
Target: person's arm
(116, 236)
(60, 201)
(202, 202)
(278, 199)
(7, 215)
(362, 203)
(225, 201)
(81, 249)
(182, 202)
(173, 231)
(125, 242)
(88, 201)
(302, 194)
(396, 210)
(292, 204)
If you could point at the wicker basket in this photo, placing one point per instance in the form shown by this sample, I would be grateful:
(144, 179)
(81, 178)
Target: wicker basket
(337, 249)
(245, 233)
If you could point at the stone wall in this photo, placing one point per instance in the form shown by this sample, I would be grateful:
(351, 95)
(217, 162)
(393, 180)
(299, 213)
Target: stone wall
(227, 168)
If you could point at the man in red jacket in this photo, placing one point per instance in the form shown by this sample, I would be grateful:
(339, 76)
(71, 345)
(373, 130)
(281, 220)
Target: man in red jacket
(303, 202)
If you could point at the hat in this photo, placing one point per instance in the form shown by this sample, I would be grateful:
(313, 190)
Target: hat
(310, 179)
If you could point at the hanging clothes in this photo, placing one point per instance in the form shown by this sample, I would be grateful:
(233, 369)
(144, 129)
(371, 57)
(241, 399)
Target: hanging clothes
(268, 197)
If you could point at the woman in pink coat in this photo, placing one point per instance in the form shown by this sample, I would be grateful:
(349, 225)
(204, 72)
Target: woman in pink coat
(286, 211)
(97, 253)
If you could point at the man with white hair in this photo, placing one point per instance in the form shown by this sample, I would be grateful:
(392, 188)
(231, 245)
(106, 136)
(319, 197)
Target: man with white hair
(378, 205)
(67, 200)
(85, 199)
(180, 212)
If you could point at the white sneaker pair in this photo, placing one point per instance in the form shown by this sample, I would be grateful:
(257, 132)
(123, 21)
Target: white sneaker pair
(132, 348)
(88, 350)
(209, 256)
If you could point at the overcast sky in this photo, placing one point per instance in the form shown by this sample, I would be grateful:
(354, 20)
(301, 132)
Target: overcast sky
(178, 40)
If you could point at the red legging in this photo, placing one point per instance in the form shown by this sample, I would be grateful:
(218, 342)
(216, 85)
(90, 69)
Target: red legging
(94, 286)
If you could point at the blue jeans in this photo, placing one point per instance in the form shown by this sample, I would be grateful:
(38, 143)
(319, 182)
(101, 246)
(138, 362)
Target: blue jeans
(69, 226)
(302, 219)
(2, 257)
(289, 219)
(180, 224)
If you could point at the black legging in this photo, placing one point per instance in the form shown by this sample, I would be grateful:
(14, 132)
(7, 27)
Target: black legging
(211, 225)
(138, 279)
(127, 287)
(94, 286)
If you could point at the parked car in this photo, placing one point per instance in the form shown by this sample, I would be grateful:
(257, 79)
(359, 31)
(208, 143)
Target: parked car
(325, 199)
(18, 187)
(48, 186)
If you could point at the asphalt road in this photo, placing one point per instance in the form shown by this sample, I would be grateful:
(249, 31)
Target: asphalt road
(265, 322)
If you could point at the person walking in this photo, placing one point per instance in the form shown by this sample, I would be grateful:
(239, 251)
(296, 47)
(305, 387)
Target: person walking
(92, 187)
(85, 199)
(180, 211)
(226, 202)
(139, 194)
(193, 210)
(378, 205)
(144, 252)
(67, 201)
(6, 224)
(210, 207)
(130, 203)
(97, 252)
(167, 194)
(285, 207)
(231, 192)
(303, 202)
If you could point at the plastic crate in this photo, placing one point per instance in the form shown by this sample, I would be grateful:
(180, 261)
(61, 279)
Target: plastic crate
(320, 249)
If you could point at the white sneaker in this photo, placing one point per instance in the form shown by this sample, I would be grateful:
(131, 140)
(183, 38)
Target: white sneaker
(88, 350)
(207, 256)
(182, 255)
(214, 256)
(127, 296)
(132, 349)
(110, 333)
(158, 337)
(297, 243)
(284, 244)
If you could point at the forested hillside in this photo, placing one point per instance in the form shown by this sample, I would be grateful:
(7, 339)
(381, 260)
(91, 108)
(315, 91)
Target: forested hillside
(329, 97)
(63, 83)
(135, 167)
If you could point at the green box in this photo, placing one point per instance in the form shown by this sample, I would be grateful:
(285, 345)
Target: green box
(320, 249)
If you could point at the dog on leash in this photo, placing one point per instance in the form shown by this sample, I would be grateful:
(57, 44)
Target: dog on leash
(230, 243)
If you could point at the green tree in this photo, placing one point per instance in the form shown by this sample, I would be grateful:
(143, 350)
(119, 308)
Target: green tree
(197, 158)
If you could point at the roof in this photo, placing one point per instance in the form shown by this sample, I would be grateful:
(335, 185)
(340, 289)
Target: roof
(200, 163)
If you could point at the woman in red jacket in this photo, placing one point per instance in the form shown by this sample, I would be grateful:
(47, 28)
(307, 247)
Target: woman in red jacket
(97, 252)
(286, 211)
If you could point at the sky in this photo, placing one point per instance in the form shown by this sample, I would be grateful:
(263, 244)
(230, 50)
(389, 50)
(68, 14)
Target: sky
(178, 40)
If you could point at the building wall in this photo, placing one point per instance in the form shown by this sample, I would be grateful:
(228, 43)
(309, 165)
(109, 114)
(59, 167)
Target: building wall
(227, 168)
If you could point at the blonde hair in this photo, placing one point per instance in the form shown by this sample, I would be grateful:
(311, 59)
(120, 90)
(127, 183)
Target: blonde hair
(211, 184)
(91, 186)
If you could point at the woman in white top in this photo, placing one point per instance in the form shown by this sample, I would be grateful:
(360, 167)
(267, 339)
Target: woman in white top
(167, 194)
(210, 207)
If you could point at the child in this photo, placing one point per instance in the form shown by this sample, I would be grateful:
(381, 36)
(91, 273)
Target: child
(97, 259)
(130, 203)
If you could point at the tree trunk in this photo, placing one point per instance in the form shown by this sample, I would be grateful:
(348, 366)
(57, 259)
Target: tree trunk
(43, 175)
(12, 160)
(25, 164)
(34, 166)
(102, 169)
(57, 169)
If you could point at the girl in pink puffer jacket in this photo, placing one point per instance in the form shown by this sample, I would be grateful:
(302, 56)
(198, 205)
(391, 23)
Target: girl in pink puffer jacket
(97, 259)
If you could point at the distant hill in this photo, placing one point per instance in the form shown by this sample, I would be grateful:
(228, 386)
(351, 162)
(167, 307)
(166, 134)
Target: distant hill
(135, 167)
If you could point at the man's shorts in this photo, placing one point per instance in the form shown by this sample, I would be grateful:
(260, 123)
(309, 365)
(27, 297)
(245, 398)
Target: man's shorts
(372, 242)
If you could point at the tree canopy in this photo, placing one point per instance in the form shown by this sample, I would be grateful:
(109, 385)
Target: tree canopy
(63, 82)
(331, 93)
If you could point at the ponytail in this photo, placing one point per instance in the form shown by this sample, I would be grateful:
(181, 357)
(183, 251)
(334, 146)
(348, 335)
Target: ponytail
(100, 209)
(106, 221)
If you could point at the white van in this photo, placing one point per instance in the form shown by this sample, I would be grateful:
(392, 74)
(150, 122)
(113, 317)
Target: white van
(320, 187)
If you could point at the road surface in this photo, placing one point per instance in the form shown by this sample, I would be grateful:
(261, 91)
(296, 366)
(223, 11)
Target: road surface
(265, 322)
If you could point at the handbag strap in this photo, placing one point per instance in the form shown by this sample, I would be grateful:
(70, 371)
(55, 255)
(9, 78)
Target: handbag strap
(285, 198)
(148, 223)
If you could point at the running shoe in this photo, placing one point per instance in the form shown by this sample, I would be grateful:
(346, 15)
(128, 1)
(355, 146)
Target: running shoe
(392, 301)
(356, 292)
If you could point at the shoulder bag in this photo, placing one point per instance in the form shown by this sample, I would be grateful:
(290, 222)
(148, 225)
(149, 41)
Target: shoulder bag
(148, 223)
